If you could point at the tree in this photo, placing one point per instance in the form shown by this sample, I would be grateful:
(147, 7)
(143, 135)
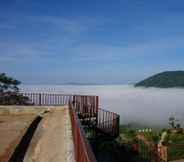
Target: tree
(174, 123)
(9, 91)
(8, 84)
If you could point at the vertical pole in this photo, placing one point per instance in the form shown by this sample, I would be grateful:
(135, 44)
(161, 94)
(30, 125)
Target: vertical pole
(117, 124)
(167, 154)
(96, 107)
(97, 102)
(40, 99)
(74, 102)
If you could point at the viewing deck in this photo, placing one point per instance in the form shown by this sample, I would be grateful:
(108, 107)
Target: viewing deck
(32, 133)
(53, 128)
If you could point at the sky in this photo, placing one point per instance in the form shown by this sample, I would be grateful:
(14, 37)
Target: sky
(90, 41)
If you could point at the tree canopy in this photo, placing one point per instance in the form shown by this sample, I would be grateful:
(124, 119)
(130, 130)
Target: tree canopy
(9, 91)
(8, 83)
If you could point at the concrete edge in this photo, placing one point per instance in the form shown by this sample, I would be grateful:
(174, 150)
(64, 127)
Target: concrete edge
(70, 151)
(19, 110)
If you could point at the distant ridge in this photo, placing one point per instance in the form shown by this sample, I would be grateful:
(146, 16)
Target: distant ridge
(167, 79)
(80, 84)
(75, 83)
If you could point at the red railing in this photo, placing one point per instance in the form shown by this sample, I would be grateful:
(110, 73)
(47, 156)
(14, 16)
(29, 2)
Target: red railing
(84, 110)
(83, 152)
(108, 122)
(86, 104)
(46, 99)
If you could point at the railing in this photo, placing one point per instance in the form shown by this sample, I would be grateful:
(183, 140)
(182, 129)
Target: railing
(78, 105)
(146, 149)
(46, 99)
(108, 122)
(83, 152)
(84, 110)
(86, 105)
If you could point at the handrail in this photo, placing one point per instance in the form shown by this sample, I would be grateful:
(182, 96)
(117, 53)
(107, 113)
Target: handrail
(57, 99)
(108, 122)
(85, 106)
(83, 152)
(83, 109)
(46, 99)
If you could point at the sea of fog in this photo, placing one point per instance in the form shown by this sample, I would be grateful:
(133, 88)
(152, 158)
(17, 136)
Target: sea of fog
(144, 106)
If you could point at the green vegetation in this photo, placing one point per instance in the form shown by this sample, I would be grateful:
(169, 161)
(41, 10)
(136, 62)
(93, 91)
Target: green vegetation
(172, 137)
(175, 152)
(152, 136)
(9, 91)
(175, 143)
(176, 138)
(166, 79)
(8, 84)
(129, 133)
(130, 146)
(108, 150)
(175, 135)
(174, 123)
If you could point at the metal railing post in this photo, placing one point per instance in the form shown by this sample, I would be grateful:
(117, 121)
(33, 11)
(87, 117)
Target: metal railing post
(40, 99)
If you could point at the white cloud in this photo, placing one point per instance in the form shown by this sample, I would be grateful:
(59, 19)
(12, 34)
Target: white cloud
(53, 35)
(149, 106)
(37, 36)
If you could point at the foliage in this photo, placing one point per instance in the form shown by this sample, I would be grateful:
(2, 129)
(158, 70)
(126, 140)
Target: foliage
(176, 146)
(174, 123)
(128, 134)
(164, 80)
(9, 91)
(176, 152)
(8, 84)
(128, 131)
(107, 145)
(175, 143)
(152, 136)
(176, 138)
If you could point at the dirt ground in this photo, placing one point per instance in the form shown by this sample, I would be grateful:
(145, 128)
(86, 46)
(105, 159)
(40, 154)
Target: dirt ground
(12, 128)
(52, 139)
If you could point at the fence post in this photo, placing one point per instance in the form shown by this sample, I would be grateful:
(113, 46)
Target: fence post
(97, 103)
(167, 153)
(40, 99)
(96, 111)
(118, 120)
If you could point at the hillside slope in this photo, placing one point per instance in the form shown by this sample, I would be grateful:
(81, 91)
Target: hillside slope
(166, 79)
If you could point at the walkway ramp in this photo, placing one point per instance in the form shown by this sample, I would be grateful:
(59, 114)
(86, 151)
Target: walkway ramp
(36, 134)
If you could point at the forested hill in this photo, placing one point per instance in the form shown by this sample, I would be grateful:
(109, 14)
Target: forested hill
(166, 79)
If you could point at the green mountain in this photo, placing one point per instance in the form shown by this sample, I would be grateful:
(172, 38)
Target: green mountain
(166, 79)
